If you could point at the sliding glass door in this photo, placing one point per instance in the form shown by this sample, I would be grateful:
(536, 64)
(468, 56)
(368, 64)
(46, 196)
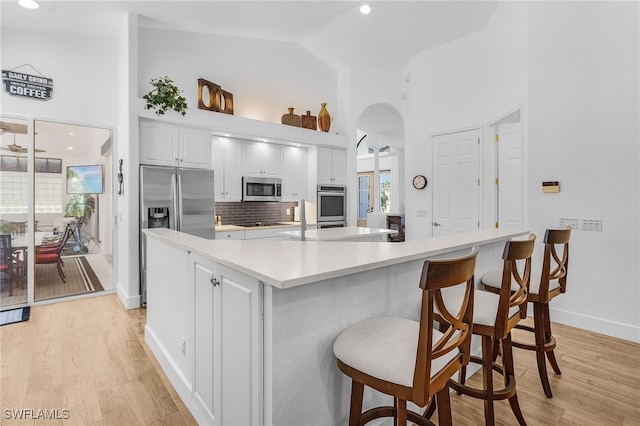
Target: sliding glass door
(55, 187)
(15, 140)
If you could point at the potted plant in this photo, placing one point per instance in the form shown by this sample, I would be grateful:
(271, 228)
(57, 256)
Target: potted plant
(80, 206)
(165, 95)
(8, 228)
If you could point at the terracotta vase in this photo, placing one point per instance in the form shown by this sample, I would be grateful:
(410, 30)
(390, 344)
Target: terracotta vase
(291, 119)
(324, 119)
(309, 121)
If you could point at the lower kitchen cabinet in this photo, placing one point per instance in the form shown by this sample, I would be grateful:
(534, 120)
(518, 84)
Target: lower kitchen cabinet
(227, 383)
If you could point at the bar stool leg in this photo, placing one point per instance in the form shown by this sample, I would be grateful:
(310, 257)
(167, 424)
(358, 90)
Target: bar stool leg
(547, 326)
(357, 391)
(487, 377)
(541, 339)
(509, 371)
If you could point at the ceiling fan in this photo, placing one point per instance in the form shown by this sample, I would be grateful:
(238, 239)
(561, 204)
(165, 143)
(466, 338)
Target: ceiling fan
(18, 149)
(12, 128)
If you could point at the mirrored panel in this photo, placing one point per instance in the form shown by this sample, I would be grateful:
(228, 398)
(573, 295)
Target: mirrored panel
(14, 210)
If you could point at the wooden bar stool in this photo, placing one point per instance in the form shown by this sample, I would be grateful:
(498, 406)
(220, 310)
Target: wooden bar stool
(410, 360)
(495, 315)
(551, 282)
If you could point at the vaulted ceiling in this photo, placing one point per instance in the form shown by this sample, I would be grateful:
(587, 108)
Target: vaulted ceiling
(334, 31)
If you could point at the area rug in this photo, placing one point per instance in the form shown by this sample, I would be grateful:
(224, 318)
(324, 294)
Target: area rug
(79, 276)
(13, 316)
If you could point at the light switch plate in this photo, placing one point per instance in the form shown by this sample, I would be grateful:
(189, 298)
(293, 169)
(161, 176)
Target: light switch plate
(568, 222)
(591, 224)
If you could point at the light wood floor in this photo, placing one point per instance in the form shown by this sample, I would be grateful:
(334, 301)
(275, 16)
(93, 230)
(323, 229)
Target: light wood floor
(88, 356)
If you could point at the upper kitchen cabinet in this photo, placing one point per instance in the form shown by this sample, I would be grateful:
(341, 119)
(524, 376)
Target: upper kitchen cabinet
(294, 173)
(260, 159)
(164, 144)
(227, 166)
(332, 166)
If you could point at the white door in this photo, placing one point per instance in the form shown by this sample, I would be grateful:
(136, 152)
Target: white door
(510, 181)
(456, 182)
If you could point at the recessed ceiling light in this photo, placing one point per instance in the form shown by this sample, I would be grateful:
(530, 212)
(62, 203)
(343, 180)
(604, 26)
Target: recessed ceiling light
(70, 148)
(71, 134)
(29, 4)
(365, 9)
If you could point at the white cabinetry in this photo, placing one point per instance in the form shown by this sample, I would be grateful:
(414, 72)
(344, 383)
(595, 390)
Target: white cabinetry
(227, 166)
(227, 385)
(294, 173)
(332, 166)
(163, 144)
(260, 159)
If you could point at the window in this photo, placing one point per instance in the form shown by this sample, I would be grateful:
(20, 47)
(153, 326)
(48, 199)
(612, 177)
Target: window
(14, 194)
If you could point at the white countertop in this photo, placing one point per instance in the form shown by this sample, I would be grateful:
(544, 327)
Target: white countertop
(284, 263)
(336, 234)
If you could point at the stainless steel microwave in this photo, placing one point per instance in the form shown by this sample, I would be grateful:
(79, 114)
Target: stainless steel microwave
(261, 189)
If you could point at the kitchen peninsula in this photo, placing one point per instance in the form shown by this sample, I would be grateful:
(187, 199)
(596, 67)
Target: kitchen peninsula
(244, 329)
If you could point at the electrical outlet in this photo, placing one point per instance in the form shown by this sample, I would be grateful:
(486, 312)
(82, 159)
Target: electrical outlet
(568, 222)
(184, 346)
(591, 224)
(288, 212)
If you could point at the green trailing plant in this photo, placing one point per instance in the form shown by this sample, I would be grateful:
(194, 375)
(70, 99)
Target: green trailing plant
(8, 228)
(165, 95)
(80, 206)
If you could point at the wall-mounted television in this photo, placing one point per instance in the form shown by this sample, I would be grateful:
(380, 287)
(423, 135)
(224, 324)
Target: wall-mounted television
(84, 179)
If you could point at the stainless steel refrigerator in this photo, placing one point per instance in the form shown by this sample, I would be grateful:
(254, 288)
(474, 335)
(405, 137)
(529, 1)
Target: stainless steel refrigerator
(174, 198)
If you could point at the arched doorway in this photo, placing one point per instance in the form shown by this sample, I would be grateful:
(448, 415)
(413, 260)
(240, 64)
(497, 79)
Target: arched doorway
(380, 164)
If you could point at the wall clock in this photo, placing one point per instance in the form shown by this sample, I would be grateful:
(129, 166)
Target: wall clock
(419, 182)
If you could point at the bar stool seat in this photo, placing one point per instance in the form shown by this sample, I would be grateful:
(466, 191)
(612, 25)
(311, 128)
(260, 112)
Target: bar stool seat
(410, 360)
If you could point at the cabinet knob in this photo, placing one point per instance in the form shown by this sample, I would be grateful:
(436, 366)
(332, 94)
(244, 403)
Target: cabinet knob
(214, 281)
(436, 224)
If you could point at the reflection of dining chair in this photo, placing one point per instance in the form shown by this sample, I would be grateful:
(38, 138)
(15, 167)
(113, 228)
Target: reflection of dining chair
(6, 262)
(51, 253)
(22, 227)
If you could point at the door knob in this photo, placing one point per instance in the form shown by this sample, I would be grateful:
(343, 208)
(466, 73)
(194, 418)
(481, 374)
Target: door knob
(436, 224)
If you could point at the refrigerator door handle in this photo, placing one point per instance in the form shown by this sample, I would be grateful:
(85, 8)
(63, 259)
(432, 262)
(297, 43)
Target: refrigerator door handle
(174, 191)
(179, 201)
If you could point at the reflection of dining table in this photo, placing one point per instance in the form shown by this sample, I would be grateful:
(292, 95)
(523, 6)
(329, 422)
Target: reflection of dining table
(21, 241)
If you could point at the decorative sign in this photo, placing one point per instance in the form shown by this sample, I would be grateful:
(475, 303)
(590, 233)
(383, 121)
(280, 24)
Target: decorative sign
(218, 100)
(26, 85)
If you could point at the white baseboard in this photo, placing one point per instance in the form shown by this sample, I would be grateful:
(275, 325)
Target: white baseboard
(597, 325)
(180, 383)
(129, 302)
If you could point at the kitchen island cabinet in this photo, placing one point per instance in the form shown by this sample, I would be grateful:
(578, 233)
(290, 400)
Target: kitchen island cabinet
(307, 293)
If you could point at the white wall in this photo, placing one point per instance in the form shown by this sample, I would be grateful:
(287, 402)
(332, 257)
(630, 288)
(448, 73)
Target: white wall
(584, 131)
(265, 77)
(574, 66)
(464, 83)
(83, 70)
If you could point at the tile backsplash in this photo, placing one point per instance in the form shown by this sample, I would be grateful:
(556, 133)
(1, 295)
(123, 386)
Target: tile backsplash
(254, 211)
